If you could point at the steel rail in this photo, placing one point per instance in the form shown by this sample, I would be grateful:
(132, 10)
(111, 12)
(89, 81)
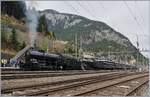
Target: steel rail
(70, 71)
(130, 93)
(90, 91)
(42, 75)
(46, 91)
(9, 90)
(52, 90)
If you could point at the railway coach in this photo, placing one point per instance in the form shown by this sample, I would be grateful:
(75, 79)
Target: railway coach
(98, 64)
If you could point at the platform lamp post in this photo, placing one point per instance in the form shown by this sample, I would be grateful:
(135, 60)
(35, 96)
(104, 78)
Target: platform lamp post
(126, 58)
(143, 66)
(76, 45)
(137, 60)
(109, 47)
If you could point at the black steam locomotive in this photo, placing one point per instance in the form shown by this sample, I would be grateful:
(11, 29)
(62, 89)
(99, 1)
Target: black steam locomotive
(40, 60)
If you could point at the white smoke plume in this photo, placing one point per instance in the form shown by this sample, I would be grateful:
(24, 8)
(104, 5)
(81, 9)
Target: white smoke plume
(32, 23)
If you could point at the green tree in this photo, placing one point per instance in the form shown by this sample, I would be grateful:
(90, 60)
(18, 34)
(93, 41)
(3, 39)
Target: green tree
(23, 45)
(69, 48)
(4, 40)
(51, 37)
(14, 8)
(42, 27)
(3, 36)
(14, 41)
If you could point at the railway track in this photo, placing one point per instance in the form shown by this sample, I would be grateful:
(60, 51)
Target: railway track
(22, 75)
(10, 90)
(37, 72)
(29, 72)
(110, 87)
(134, 91)
(70, 86)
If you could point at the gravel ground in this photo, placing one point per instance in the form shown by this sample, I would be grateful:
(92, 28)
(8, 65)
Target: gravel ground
(35, 81)
(143, 91)
(85, 88)
(120, 89)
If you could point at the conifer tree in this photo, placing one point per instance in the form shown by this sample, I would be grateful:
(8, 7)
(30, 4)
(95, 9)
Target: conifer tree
(14, 41)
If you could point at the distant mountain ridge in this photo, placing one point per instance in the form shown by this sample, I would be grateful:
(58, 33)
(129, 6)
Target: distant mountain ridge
(91, 31)
(96, 36)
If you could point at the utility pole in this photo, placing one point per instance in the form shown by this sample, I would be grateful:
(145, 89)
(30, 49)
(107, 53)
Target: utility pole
(81, 45)
(76, 45)
(143, 62)
(109, 56)
(81, 52)
(48, 46)
(137, 43)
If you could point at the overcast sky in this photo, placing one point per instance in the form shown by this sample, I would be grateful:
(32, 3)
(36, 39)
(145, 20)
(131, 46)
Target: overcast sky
(131, 18)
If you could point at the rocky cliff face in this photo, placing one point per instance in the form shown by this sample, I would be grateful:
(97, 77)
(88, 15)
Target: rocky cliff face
(66, 26)
(95, 35)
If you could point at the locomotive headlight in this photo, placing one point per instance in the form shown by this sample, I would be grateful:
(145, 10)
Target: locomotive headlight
(33, 60)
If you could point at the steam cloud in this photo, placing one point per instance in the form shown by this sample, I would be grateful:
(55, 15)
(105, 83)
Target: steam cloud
(32, 23)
